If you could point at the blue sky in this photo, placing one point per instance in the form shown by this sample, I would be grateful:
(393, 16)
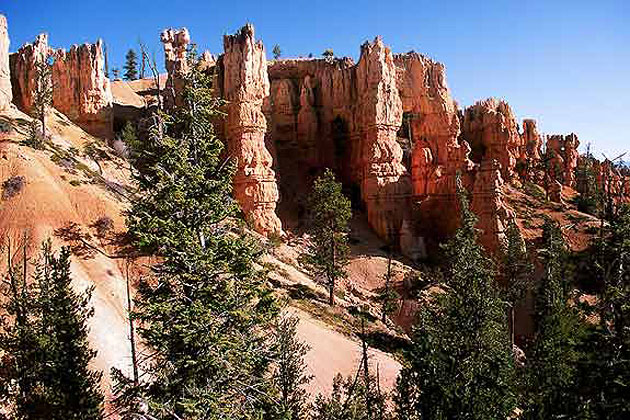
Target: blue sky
(565, 63)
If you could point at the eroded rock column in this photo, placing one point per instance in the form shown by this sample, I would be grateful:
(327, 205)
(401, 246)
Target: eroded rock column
(23, 71)
(175, 43)
(487, 203)
(6, 95)
(492, 131)
(245, 87)
(385, 183)
(81, 90)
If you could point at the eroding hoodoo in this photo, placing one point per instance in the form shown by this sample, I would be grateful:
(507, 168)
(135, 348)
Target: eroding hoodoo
(245, 87)
(6, 95)
(80, 88)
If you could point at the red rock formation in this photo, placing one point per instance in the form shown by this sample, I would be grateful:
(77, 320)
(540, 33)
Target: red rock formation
(6, 95)
(175, 42)
(80, 89)
(245, 86)
(385, 183)
(563, 157)
(492, 131)
(528, 166)
(22, 64)
(432, 121)
(487, 203)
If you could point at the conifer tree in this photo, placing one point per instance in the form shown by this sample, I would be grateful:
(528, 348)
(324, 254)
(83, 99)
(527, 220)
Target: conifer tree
(460, 362)
(516, 271)
(206, 313)
(131, 65)
(277, 52)
(290, 375)
(42, 97)
(47, 345)
(327, 254)
(606, 367)
(552, 363)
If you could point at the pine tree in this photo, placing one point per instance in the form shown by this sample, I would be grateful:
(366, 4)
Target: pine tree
(42, 97)
(328, 54)
(47, 345)
(327, 254)
(290, 369)
(131, 65)
(516, 271)
(206, 313)
(460, 362)
(552, 363)
(606, 367)
(277, 52)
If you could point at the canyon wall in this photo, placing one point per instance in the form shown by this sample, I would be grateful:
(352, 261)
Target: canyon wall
(80, 89)
(6, 95)
(23, 71)
(245, 86)
(491, 129)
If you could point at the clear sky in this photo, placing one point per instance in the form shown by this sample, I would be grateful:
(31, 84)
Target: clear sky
(564, 62)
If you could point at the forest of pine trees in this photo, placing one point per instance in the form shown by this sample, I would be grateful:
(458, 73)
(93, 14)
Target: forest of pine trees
(220, 346)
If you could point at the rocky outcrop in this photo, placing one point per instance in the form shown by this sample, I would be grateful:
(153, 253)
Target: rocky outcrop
(81, 90)
(175, 43)
(6, 95)
(23, 71)
(528, 166)
(385, 182)
(563, 157)
(491, 129)
(245, 86)
(432, 128)
(487, 203)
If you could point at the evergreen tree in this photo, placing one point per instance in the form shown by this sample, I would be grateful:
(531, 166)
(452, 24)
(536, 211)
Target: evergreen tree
(47, 345)
(389, 297)
(606, 367)
(42, 98)
(460, 362)
(516, 271)
(131, 65)
(327, 254)
(328, 54)
(552, 363)
(277, 52)
(206, 312)
(290, 369)
(348, 402)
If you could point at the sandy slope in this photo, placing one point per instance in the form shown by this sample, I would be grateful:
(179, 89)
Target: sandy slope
(58, 192)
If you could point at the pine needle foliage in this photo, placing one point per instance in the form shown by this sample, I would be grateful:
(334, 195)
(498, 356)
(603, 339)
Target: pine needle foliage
(552, 362)
(46, 372)
(206, 312)
(460, 365)
(327, 254)
(131, 65)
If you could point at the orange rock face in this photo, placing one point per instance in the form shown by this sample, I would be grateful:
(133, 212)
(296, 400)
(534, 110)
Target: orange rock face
(22, 64)
(80, 89)
(385, 182)
(563, 155)
(6, 95)
(487, 203)
(245, 85)
(175, 43)
(492, 131)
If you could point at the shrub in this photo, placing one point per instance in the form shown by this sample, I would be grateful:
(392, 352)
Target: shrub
(12, 186)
